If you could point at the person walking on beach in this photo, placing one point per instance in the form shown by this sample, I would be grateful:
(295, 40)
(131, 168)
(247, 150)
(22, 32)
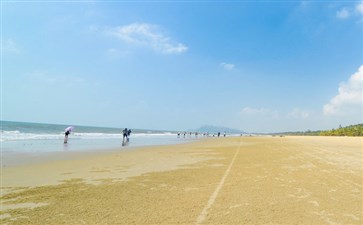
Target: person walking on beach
(124, 134)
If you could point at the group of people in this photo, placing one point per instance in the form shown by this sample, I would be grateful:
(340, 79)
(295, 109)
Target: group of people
(125, 133)
(204, 134)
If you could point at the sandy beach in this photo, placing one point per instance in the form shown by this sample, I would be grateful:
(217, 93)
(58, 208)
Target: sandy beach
(237, 180)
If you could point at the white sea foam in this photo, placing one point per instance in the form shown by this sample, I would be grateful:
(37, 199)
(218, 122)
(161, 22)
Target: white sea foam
(35, 137)
(18, 136)
(152, 134)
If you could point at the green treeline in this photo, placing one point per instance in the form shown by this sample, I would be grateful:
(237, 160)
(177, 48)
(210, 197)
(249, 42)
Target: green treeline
(353, 130)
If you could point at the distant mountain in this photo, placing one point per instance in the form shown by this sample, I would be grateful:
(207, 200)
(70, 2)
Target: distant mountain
(215, 129)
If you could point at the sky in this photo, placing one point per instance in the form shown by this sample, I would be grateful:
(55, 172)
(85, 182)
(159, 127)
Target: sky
(257, 66)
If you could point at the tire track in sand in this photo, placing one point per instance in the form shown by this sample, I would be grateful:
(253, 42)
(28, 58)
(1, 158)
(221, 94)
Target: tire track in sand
(213, 197)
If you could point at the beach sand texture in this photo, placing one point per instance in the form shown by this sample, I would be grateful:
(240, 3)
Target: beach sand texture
(239, 180)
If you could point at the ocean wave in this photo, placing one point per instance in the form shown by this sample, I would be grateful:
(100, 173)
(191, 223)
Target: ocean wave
(18, 136)
(152, 134)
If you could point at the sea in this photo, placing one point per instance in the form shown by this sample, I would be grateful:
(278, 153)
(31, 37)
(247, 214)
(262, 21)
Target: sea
(41, 137)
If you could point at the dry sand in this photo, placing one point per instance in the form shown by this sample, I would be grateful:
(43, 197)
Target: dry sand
(242, 180)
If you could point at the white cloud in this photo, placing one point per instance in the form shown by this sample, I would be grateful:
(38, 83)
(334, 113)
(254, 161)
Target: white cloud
(144, 34)
(297, 113)
(261, 112)
(113, 53)
(343, 13)
(43, 77)
(359, 7)
(227, 66)
(349, 100)
(93, 28)
(347, 12)
(10, 46)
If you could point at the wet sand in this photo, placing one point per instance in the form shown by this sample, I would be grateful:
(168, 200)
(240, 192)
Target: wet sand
(241, 180)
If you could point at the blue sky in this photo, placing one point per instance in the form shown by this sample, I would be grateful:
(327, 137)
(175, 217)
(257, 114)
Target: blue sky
(256, 66)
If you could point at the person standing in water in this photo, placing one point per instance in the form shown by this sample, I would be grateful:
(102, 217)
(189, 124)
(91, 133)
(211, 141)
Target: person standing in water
(67, 132)
(124, 134)
(66, 136)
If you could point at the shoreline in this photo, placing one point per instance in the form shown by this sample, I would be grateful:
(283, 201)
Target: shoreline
(52, 168)
(13, 158)
(46, 145)
(233, 180)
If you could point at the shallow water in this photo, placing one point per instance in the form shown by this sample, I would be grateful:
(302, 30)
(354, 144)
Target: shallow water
(35, 137)
(57, 145)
